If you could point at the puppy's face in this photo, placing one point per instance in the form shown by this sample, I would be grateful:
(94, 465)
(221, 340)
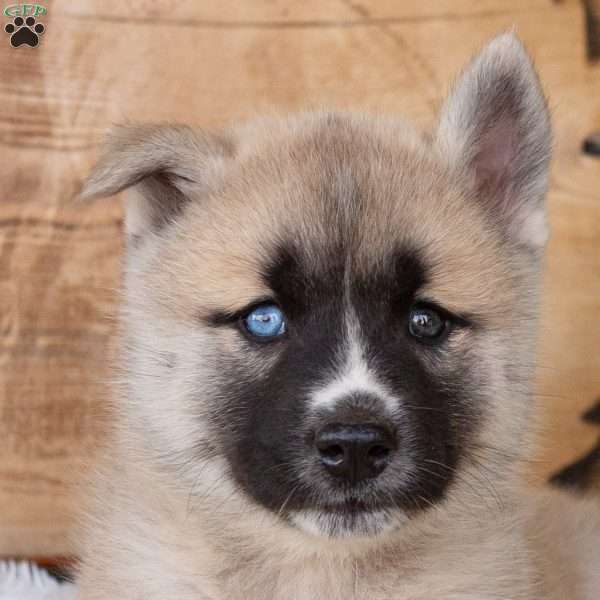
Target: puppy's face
(331, 316)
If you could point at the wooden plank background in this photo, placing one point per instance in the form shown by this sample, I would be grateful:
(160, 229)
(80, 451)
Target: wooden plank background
(209, 62)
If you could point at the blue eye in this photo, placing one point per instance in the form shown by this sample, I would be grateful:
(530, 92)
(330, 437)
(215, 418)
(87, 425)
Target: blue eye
(265, 321)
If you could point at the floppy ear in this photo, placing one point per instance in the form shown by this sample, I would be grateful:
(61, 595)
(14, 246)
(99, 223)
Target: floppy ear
(495, 128)
(164, 165)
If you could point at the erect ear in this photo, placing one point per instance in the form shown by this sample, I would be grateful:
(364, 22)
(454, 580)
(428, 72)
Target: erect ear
(495, 128)
(164, 165)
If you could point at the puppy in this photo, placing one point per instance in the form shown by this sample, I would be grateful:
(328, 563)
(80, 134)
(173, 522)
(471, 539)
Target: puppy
(328, 336)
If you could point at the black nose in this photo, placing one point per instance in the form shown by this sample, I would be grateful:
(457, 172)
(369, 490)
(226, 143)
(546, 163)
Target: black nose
(355, 452)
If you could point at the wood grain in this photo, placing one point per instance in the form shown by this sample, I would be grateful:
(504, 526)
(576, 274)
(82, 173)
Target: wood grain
(209, 63)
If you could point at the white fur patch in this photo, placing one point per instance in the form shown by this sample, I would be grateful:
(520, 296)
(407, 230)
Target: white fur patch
(356, 376)
(25, 581)
(318, 523)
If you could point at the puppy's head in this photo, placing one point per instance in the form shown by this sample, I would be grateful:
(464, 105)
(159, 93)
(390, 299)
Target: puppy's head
(331, 317)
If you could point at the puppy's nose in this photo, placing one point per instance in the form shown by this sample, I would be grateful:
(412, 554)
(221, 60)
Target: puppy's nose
(355, 452)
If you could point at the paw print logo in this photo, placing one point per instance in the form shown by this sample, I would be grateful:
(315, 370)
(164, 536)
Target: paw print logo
(24, 31)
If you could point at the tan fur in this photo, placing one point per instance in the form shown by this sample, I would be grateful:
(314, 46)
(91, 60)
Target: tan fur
(151, 532)
(540, 546)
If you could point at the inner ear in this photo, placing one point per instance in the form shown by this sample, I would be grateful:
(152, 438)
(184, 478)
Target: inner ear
(496, 147)
(153, 203)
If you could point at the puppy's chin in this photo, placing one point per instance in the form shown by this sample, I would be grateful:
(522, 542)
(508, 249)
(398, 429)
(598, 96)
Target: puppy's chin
(346, 524)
